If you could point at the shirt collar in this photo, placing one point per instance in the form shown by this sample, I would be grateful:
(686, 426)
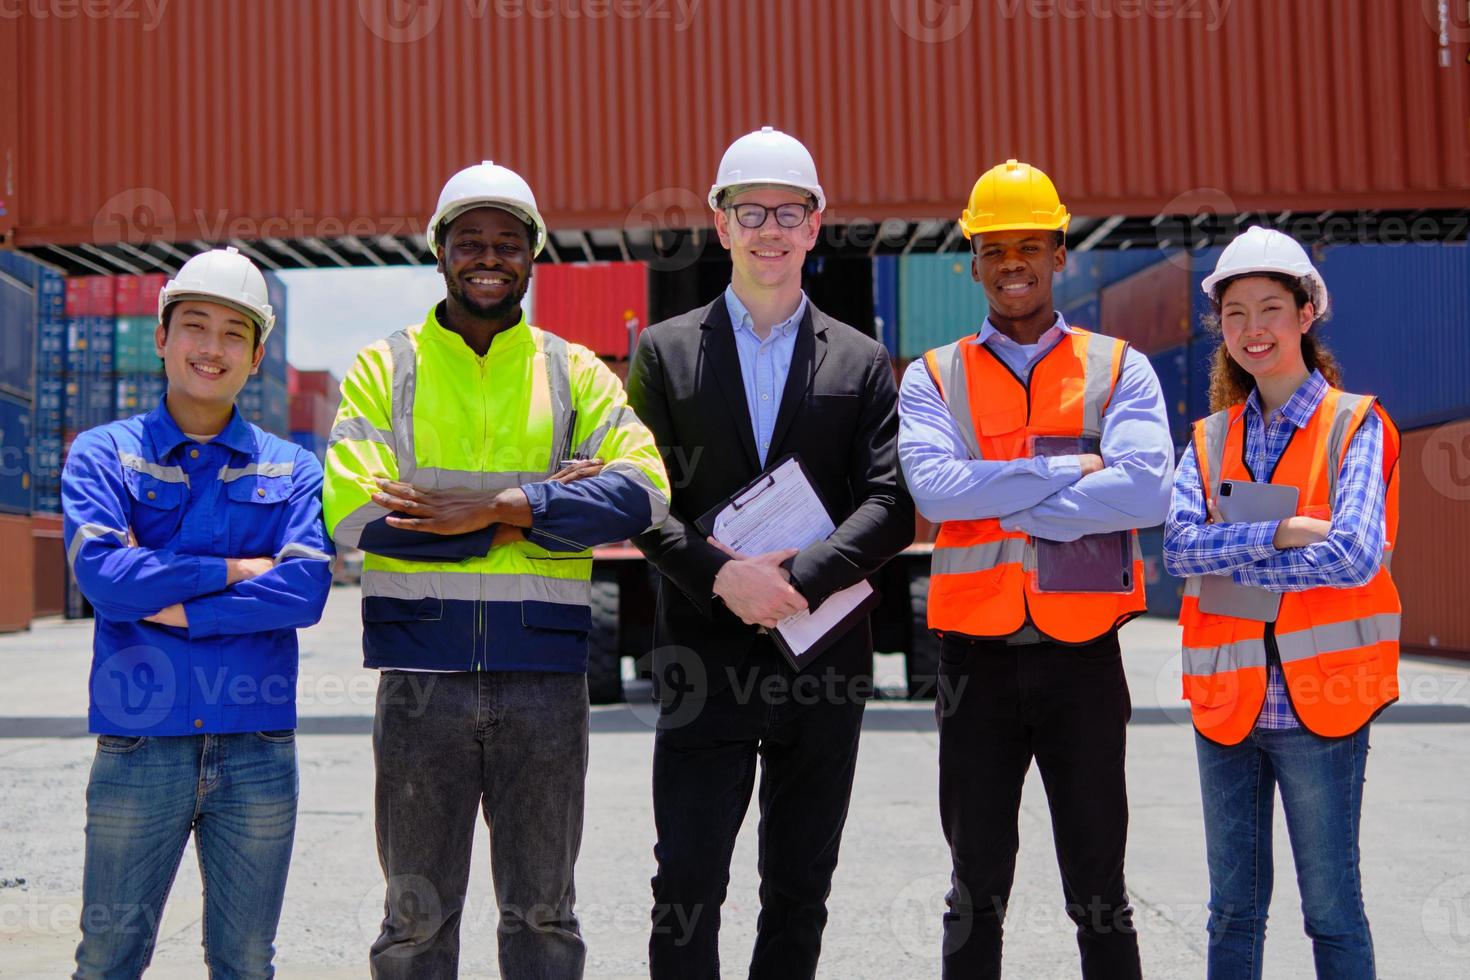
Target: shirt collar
(1051, 336)
(167, 436)
(1302, 404)
(740, 316)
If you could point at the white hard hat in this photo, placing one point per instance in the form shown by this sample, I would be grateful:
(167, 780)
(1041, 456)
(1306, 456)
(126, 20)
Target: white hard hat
(767, 157)
(1265, 250)
(487, 184)
(222, 275)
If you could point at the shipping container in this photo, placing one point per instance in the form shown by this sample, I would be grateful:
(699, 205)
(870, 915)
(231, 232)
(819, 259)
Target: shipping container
(17, 335)
(48, 565)
(323, 384)
(89, 401)
(137, 394)
(1151, 309)
(938, 302)
(273, 364)
(1431, 558)
(17, 599)
(312, 413)
(264, 402)
(1173, 370)
(312, 442)
(1085, 313)
(593, 303)
(89, 296)
(1078, 281)
(138, 295)
(885, 302)
(1137, 113)
(15, 456)
(1163, 592)
(1117, 264)
(1398, 326)
(51, 334)
(133, 348)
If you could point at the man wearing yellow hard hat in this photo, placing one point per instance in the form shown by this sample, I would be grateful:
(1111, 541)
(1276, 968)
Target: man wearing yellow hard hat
(1015, 438)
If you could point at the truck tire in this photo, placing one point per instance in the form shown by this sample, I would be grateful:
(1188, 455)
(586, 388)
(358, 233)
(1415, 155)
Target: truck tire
(604, 660)
(922, 663)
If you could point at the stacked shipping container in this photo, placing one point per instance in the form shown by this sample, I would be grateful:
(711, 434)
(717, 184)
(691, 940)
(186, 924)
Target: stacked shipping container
(314, 398)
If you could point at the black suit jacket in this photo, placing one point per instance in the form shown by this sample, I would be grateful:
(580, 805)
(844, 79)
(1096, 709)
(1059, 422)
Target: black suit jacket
(839, 412)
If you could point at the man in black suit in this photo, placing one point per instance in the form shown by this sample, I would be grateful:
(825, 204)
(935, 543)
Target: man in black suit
(728, 390)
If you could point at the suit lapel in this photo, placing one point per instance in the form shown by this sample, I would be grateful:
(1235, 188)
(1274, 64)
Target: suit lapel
(806, 360)
(718, 349)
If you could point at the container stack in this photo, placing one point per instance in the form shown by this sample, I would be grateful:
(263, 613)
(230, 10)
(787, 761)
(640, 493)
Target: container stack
(600, 305)
(314, 397)
(20, 302)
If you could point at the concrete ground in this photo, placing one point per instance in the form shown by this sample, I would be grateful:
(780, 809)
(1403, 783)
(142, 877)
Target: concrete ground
(888, 893)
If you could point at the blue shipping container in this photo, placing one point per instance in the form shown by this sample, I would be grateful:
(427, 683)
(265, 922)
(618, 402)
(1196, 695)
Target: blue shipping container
(1115, 264)
(1164, 592)
(50, 347)
(15, 456)
(273, 364)
(938, 302)
(47, 283)
(1173, 370)
(1079, 279)
(312, 442)
(1085, 313)
(1398, 327)
(885, 302)
(17, 335)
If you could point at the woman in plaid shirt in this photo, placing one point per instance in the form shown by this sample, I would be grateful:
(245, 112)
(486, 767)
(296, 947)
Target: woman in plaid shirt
(1272, 376)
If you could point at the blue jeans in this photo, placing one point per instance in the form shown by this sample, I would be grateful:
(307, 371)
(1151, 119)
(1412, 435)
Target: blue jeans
(1321, 781)
(147, 794)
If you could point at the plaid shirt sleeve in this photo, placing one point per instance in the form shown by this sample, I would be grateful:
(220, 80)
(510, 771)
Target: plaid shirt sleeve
(1353, 550)
(1192, 546)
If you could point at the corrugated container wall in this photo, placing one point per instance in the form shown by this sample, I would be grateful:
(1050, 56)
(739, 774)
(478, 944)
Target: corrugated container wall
(1151, 308)
(350, 132)
(17, 599)
(885, 302)
(17, 336)
(49, 565)
(1400, 327)
(938, 302)
(592, 304)
(1431, 560)
(15, 456)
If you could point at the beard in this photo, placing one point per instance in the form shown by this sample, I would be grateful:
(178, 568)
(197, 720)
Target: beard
(487, 311)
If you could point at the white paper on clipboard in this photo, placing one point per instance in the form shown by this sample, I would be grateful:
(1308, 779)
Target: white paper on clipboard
(784, 511)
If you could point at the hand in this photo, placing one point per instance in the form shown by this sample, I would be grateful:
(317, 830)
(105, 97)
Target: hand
(1090, 463)
(1298, 532)
(245, 569)
(456, 511)
(1215, 516)
(174, 615)
(579, 469)
(756, 588)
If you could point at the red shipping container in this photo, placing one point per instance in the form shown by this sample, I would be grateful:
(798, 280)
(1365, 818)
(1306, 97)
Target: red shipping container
(1150, 309)
(49, 564)
(89, 296)
(591, 304)
(314, 413)
(1431, 558)
(320, 383)
(18, 596)
(137, 295)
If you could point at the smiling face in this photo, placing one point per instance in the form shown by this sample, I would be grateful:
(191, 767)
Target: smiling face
(1263, 326)
(768, 257)
(209, 351)
(486, 262)
(1016, 268)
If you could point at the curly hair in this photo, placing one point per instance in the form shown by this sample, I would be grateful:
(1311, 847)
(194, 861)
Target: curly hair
(1231, 384)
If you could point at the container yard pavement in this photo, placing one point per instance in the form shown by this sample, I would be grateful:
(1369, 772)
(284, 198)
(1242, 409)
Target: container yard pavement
(889, 888)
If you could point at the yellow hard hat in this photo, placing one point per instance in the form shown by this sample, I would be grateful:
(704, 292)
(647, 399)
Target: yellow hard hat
(1012, 197)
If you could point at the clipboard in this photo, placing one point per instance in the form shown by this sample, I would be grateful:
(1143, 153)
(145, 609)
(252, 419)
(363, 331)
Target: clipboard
(1239, 502)
(836, 614)
(1092, 564)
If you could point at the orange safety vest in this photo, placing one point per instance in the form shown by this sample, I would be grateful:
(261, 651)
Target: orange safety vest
(1339, 648)
(979, 581)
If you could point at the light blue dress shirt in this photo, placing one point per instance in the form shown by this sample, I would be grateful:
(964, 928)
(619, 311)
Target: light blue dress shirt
(764, 365)
(1042, 497)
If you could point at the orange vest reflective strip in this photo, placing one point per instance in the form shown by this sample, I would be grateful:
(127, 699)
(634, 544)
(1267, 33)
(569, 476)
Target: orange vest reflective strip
(979, 578)
(1338, 647)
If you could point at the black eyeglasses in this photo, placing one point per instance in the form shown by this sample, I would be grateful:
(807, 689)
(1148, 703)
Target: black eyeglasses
(787, 215)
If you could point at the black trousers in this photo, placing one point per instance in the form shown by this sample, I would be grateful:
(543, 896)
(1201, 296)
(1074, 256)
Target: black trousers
(1000, 706)
(803, 733)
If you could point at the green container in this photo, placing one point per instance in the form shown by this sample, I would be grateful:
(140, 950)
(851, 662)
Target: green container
(938, 302)
(132, 345)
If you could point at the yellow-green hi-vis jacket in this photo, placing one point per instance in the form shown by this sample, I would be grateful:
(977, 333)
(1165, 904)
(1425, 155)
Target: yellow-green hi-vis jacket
(421, 407)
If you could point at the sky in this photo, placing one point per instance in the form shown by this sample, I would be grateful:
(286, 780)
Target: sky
(332, 313)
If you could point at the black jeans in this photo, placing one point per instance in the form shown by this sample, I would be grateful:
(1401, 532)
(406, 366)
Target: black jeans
(805, 734)
(447, 746)
(999, 707)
